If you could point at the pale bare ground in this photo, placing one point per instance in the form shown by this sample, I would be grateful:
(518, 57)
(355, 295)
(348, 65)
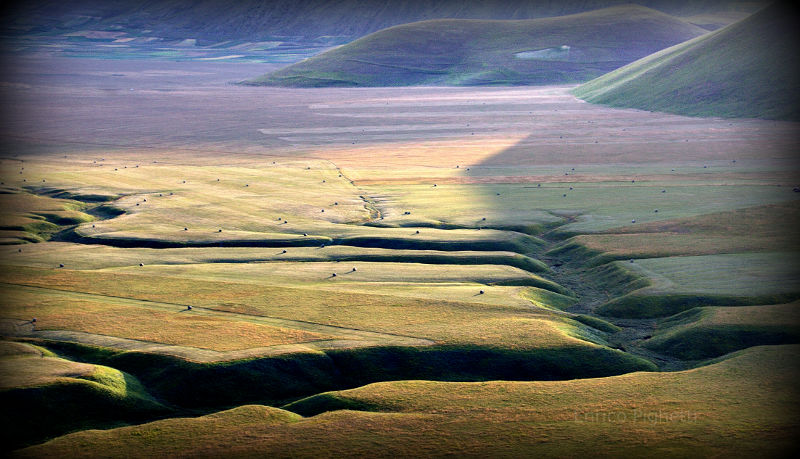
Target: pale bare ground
(189, 112)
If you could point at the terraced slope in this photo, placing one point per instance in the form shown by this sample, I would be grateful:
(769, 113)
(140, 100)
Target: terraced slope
(566, 49)
(472, 273)
(748, 69)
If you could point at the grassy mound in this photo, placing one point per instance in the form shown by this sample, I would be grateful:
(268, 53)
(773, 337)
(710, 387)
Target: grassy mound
(677, 284)
(33, 218)
(703, 333)
(703, 416)
(565, 49)
(280, 378)
(748, 69)
(45, 396)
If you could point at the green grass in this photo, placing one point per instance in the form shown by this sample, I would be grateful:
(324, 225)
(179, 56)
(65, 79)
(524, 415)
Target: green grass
(703, 333)
(31, 218)
(87, 257)
(681, 283)
(599, 207)
(747, 69)
(45, 396)
(272, 327)
(755, 229)
(503, 315)
(705, 414)
(479, 52)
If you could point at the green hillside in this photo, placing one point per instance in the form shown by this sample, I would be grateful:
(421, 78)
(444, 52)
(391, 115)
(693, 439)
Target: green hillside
(565, 49)
(214, 20)
(748, 69)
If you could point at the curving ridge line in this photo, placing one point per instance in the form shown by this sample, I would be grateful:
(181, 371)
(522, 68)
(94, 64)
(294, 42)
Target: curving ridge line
(347, 337)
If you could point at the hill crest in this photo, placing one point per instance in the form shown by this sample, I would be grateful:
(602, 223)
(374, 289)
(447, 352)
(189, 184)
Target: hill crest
(564, 49)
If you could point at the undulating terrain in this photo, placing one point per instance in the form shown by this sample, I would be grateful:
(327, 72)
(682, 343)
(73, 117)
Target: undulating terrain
(191, 267)
(564, 49)
(748, 69)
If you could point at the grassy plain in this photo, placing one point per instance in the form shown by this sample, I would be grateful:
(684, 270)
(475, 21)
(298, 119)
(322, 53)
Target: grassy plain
(271, 327)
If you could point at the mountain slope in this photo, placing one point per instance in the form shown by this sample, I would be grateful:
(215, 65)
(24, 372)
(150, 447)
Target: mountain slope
(215, 20)
(564, 49)
(748, 69)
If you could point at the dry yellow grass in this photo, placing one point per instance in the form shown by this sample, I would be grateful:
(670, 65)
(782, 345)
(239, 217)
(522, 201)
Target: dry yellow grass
(695, 412)
(56, 310)
(753, 229)
(472, 320)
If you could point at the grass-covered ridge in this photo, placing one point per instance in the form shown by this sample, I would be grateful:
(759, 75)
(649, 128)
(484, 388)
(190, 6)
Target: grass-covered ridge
(566, 49)
(567, 418)
(676, 284)
(44, 396)
(748, 69)
(462, 284)
(707, 332)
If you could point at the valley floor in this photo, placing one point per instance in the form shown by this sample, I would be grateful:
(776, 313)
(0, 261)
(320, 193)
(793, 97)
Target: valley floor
(218, 269)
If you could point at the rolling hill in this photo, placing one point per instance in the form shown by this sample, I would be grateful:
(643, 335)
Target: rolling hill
(748, 69)
(565, 49)
(215, 20)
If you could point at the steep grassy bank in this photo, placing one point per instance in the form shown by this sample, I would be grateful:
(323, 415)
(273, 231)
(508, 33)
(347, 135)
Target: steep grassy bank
(275, 379)
(749, 69)
(706, 415)
(44, 396)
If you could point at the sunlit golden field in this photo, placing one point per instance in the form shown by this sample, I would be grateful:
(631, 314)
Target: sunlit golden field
(477, 271)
